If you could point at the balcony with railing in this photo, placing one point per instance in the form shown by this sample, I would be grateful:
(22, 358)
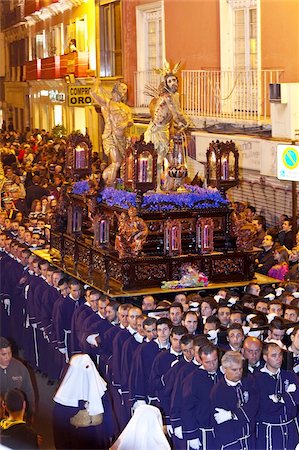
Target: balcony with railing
(58, 66)
(226, 95)
(13, 17)
(142, 80)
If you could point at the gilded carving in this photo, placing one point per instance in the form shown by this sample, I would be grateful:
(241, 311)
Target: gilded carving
(151, 272)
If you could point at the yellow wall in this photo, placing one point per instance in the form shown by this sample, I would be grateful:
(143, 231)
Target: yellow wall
(280, 37)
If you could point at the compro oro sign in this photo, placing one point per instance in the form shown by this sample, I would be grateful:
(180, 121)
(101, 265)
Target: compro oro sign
(288, 162)
(79, 95)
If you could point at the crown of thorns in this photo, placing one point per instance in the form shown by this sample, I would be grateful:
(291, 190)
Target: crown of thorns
(166, 70)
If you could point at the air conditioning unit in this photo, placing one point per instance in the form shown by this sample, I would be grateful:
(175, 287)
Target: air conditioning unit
(285, 111)
(274, 93)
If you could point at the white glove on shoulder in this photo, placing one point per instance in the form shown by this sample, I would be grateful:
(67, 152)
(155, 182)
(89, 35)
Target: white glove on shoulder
(194, 444)
(63, 350)
(178, 432)
(91, 339)
(270, 317)
(222, 415)
(291, 388)
(296, 369)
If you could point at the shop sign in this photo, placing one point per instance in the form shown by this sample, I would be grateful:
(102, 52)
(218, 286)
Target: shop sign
(56, 96)
(79, 95)
(288, 162)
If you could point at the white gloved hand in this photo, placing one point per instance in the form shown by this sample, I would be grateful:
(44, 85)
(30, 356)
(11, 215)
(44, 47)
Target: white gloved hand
(254, 333)
(194, 443)
(178, 432)
(91, 339)
(246, 330)
(270, 296)
(46, 337)
(137, 404)
(63, 350)
(232, 301)
(291, 388)
(6, 302)
(249, 317)
(222, 415)
(270, 317)
(212, 334)
(279, 291)
(169, 430)
(296, 369)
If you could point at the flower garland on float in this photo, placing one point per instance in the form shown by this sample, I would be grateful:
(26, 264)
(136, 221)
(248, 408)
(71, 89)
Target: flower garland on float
(191, 277)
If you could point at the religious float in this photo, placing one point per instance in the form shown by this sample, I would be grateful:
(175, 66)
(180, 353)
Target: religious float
(136, 237)
(149, 228)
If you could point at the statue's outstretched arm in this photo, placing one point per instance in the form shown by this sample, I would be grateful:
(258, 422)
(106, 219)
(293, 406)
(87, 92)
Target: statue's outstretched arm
(99, 94)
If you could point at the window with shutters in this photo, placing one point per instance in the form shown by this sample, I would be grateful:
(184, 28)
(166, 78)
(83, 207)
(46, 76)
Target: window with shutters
(110, 39)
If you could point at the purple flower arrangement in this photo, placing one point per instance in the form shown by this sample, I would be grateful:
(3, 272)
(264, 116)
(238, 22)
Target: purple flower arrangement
(81, 187)
(193, 198)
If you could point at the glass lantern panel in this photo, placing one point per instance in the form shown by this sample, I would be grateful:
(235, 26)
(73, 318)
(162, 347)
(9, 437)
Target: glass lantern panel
(225, 166)
(212, 164)
(232, 174)
(145, 167)
(81, 156)
(130, 166)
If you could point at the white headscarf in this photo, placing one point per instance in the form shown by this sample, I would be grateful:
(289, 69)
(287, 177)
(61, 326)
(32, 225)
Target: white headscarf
(82, 381)
(143, 432)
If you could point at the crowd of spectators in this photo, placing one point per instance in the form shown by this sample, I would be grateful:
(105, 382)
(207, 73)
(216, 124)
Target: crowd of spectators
(222, 367)
(150, 352)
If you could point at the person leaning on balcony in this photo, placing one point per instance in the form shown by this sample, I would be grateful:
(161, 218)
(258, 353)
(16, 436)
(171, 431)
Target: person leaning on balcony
(72, 47)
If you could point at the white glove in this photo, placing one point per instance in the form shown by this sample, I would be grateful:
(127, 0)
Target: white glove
(279, 291)
(137, 404)
(275, 399)
(178, 432)
(254, 333)
(169, 430)
(6, 302)
(232, 301)
(46, 337)
(194, 443)
(296, 369)
(212, 334)
(249, 317)
(246, 330)
(289, 331)
(34, 325)
(270, 317)
(270, 296)
(291, 388)
(222, 415)
(63, 350)
(91, 339)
